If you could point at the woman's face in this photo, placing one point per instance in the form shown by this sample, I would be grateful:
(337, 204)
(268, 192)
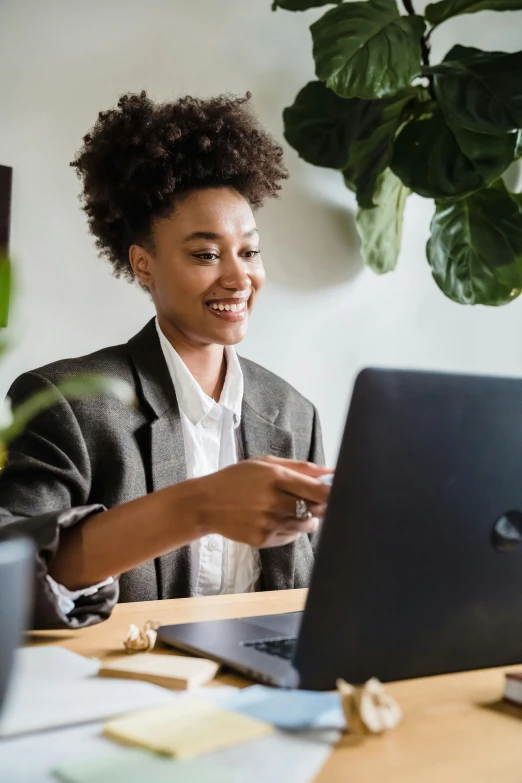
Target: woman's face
(205, 271)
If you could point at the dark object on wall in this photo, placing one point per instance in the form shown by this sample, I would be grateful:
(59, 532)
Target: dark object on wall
(6, 179)
(392, 123)
(16, 573)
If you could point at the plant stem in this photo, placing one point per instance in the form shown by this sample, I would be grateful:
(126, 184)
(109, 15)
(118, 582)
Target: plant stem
(425, 51)
(424, 42)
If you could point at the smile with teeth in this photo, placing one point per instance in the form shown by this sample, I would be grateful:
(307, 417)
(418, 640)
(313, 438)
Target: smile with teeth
(234, 308)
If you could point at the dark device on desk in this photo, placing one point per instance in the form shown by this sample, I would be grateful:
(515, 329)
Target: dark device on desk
(419, 567)
(16, 576)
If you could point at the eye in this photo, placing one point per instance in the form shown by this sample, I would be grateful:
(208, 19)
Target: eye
(252, 253)
(206, 256)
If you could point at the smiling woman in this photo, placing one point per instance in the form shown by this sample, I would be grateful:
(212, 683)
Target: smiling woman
(211, 483)
(199, 278)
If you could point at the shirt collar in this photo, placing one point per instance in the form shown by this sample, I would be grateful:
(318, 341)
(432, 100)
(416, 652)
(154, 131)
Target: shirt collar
(192, 400)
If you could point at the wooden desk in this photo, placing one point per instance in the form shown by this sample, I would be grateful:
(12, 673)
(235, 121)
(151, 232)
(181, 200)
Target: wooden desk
(455, 729)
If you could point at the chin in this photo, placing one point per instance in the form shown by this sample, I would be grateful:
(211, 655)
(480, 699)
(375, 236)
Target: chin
(230, 336)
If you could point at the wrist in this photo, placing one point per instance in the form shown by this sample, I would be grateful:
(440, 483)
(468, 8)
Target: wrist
(186, 504)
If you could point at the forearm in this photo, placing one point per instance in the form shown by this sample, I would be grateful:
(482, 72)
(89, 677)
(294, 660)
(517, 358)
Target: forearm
(121, 538)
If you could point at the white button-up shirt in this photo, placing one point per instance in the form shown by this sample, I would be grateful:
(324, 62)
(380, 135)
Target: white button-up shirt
(210, 432)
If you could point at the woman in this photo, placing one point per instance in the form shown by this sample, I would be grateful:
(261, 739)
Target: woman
(155, 494)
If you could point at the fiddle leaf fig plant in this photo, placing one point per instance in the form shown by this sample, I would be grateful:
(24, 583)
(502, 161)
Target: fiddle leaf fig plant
(436, 13)
(394, 123)
(13, 422)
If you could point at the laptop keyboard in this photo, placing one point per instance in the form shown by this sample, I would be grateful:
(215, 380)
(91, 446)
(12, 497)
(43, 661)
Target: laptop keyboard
(281, 648)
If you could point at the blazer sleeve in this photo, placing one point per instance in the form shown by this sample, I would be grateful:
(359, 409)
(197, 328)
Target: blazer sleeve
(44, 488)
(316, 455)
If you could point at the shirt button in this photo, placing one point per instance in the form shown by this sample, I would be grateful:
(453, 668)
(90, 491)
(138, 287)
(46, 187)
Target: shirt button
(207, 423)
(211, 545)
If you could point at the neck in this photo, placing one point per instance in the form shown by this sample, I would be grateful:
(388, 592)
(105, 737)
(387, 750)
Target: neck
(206, 363)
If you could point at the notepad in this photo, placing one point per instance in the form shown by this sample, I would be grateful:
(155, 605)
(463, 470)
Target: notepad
(289, 709)
(186, 728)
(169, 671)
(136, 766)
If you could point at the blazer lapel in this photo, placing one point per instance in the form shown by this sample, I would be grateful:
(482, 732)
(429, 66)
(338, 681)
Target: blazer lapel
(169, 467)
(261, 437)
(167, 450)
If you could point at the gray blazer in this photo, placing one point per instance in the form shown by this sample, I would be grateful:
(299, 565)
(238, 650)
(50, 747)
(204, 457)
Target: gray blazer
(88, 454)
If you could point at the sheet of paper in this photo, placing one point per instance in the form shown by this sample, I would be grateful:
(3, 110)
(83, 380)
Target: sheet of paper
(294, 757)
(136, 766)
(289, 709)
(54, 687)
(186, 728)
(52, 663)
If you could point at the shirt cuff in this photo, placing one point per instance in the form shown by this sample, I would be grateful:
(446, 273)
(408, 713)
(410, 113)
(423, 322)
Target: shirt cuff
(66, 598)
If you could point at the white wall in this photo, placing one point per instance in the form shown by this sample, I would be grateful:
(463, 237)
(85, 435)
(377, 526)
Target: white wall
(322, 316)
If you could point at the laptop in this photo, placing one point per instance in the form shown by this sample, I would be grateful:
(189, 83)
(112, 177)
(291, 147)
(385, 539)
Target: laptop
(419, 565)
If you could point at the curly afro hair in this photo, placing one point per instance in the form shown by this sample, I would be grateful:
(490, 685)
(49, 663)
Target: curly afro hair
(142, 157)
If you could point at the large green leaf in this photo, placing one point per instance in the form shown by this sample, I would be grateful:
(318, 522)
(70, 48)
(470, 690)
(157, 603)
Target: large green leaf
(372, 151)
(475, 249)
(350, 134)
(367, 49)
(436, 13)
(480, 91)
(437, 160)
(5, 289)
(301, 5)
(321, 126)
(380, 228)
(517, 198)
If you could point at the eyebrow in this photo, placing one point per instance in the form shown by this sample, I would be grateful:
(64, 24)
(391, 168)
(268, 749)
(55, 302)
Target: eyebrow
(212, 235)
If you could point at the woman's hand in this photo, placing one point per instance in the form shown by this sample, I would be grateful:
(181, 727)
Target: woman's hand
(254, 502)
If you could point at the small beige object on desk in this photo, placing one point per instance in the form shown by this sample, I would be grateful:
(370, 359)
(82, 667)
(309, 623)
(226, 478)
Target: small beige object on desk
(137, 641)
(169, 671)
(368, 709)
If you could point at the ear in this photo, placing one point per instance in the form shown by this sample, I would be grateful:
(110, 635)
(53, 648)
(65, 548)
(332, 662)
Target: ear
(141, 263)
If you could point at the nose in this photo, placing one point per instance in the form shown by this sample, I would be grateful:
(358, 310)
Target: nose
(235, 274)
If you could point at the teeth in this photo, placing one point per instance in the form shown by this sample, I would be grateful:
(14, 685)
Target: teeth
(234, 308)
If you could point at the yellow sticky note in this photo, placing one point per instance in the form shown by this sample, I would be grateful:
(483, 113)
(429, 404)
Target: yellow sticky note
(186, 728)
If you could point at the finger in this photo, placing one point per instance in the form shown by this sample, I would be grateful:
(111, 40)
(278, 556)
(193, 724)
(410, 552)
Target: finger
(287, 536)
(284, 506)
(301, 486)
(307, 526)
(281, 539)
(282, 533)
(308, 468)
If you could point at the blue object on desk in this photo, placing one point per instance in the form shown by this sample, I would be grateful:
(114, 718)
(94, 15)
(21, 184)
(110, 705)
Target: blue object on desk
(289, 709)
